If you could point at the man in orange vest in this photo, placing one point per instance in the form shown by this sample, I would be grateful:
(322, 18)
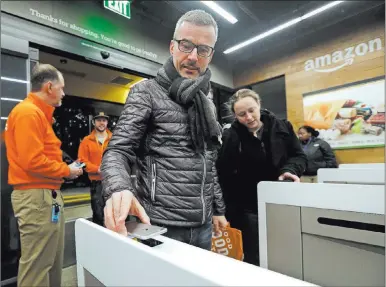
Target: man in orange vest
(36, 172)
(90, 152)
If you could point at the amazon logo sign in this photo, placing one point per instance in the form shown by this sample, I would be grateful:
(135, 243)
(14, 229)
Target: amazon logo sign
(339, 59)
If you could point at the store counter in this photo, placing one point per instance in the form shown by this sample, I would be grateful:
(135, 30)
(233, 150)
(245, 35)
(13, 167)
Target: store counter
(105, 258)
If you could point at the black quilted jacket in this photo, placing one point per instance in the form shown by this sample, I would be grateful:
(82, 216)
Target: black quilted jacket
(176, 186)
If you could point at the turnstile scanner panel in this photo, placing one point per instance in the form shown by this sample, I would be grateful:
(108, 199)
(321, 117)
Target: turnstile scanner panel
(327, 234)
(362, 165)
(364, 176)
(105, 258)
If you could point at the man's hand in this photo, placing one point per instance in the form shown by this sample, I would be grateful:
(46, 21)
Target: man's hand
(75, 172)
(99, 170)
(118, 207)
(219, 223)
(288, 175)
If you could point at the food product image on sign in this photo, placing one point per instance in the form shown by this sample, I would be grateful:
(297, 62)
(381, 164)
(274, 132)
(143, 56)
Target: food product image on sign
(322, 115)
(349, 116)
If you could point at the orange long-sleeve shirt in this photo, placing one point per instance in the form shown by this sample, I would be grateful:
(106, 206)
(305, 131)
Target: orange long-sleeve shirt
(91, 151)
(33, 150)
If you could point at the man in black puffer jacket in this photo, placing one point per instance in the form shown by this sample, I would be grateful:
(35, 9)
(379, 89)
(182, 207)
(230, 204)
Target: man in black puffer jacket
(168, 128)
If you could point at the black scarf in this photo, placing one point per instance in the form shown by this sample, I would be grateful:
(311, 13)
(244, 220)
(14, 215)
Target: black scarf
(192, 94)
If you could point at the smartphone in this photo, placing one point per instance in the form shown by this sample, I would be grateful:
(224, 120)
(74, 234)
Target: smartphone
(150, 242)
(78, 164)
(81, 164)
(143, 231)
(286, 180)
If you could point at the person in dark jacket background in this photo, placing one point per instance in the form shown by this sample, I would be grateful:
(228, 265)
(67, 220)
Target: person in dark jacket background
(257, 147)
(319, 153)
(168, 129)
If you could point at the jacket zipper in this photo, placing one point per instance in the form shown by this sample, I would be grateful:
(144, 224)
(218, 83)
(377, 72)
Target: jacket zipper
(153, 179)
(101, 147)
(203, 156)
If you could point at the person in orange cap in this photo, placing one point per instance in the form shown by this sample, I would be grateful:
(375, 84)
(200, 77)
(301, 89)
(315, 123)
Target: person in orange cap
(90, 152)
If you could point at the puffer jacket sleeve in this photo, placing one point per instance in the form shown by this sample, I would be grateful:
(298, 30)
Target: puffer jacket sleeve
(120, 153)
(297, 160)
(218, 203)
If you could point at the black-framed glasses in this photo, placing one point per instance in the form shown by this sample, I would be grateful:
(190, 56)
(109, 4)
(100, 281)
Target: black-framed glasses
(187, 47)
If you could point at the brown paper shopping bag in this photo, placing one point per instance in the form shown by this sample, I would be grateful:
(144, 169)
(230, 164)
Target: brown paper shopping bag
(229, 243)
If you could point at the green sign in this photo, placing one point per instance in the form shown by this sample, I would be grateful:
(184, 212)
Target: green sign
(120, 7)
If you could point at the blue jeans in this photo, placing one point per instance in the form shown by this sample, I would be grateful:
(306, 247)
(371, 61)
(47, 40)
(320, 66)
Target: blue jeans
(197, 236)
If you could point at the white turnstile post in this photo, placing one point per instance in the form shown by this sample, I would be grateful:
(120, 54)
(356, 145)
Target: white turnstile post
(105, 258)
(324, 233)
(362, 165)
(372, 176)
(342, 197)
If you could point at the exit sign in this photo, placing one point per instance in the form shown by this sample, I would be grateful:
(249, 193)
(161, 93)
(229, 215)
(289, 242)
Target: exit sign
(120, 7)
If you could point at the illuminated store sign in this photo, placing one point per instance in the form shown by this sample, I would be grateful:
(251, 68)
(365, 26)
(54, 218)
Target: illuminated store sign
(120, 7)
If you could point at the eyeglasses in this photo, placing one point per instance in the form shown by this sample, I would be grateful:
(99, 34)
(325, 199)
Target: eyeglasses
(187, 47)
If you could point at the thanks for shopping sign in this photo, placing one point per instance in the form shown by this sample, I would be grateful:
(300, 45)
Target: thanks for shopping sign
(341, 58)
(90, 20)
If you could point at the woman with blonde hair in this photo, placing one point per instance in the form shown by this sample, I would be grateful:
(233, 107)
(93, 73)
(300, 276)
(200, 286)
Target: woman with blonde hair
(257, 147)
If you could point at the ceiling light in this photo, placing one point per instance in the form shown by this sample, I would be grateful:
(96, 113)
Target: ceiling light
(281, 27)
(215, 7)
(11, 99)
(14, 80)
(321, 9)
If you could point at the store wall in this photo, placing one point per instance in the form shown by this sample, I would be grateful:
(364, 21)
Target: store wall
(90, 20)
(298, 81)
(273, 96)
